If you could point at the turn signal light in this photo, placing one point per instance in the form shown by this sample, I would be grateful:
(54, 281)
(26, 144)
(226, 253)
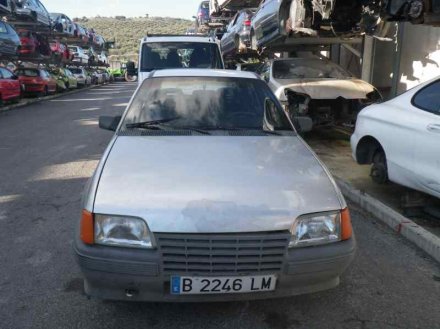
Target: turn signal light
(346, 228)
(87, 228)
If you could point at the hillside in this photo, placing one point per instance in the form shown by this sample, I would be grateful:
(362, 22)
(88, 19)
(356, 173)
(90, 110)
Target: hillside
(128, 31)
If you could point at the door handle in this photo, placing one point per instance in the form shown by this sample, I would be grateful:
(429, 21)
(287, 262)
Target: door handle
(433, 128)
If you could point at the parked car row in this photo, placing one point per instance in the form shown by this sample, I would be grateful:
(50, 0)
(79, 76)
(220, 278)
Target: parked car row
(37, 81)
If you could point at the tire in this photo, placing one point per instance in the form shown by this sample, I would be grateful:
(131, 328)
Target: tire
(1, 101)
(379, 169)
(46, 91)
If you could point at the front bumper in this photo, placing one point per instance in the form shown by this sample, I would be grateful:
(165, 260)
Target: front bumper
(135, 275)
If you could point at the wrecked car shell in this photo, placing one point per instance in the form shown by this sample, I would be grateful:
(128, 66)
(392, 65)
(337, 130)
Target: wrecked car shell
(276, 20)
(319, 89)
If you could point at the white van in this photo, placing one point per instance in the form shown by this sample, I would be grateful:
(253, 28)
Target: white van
(158, 52)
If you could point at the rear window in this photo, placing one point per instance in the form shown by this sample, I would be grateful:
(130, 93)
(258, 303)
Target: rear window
(163, 55)
(27, 73)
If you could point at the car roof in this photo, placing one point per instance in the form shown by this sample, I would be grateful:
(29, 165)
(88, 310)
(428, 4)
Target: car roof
(177, 38)
(203, 73)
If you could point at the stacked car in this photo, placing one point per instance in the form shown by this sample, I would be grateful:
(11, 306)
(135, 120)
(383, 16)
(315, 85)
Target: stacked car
(38, 45)
(273, 22)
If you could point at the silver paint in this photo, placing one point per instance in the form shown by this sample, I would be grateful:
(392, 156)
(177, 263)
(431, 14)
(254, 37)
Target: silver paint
(213, 184)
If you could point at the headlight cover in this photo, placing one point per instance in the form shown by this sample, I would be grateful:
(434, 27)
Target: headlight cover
(316, 229)
(122, 231)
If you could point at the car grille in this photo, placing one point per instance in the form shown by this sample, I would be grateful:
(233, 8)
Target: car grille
(223, 254)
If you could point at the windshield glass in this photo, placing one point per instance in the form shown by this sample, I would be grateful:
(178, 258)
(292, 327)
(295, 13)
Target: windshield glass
(27, 73)
(161, 55)
(308, 68)
(206, 102)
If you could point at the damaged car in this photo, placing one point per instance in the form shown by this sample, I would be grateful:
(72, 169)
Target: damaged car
(277, 19)
(237, 40)
(32, 11)
(400, 139)
(319, 89)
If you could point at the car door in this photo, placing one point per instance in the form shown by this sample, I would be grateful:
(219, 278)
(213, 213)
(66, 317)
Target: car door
(426, 103)
(43, 15)
(3, 91)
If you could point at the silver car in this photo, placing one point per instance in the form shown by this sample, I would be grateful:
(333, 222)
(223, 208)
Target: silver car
(207, 193)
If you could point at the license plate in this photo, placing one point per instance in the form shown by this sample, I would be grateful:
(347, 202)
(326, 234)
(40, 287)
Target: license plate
(188, 285)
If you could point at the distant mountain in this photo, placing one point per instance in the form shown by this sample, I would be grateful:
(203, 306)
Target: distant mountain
(127, 32)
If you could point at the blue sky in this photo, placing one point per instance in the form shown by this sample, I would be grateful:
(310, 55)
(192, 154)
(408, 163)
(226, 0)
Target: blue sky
(90, 8)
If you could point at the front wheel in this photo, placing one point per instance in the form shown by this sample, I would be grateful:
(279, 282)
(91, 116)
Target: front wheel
(379, 169)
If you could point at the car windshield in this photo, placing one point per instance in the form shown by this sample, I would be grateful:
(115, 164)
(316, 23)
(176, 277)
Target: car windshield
(27, 73)
(206, 103)
(205, 5)
(308, 68)
(161, 55)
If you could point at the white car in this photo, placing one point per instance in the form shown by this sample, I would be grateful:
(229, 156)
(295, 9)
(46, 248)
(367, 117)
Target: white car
(401, 139)
(79, 56)
(102, 58)
(158, 52)
(317, 88)
(81, 75)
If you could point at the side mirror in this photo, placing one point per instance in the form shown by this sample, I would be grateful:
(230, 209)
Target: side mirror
(109, 122)
(194, 17)
(266, 78)
(14, 77)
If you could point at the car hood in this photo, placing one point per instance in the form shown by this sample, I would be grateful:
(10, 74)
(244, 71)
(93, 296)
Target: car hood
(214, 183)
(326, 88)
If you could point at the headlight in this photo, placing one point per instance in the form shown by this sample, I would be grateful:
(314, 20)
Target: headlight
(122, 231)
(316, 229)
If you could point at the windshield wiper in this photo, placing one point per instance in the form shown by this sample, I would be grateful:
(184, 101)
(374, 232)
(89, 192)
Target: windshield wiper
(150, 124)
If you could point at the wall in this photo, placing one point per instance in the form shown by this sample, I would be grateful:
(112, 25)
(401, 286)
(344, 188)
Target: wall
(419, 58)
